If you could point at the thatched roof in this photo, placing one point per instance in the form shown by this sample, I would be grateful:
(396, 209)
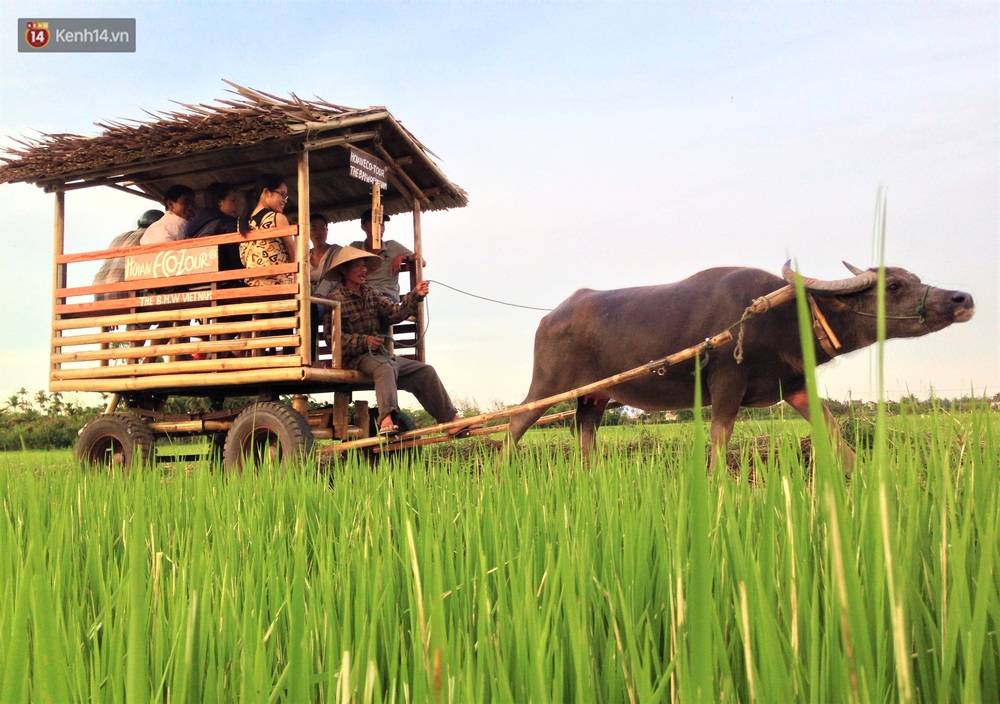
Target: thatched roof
(233, 141)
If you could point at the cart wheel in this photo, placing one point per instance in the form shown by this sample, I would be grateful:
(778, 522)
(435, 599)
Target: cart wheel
(268, 433)
(115, 440)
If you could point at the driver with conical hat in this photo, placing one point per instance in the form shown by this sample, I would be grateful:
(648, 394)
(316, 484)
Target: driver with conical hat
(362, 310)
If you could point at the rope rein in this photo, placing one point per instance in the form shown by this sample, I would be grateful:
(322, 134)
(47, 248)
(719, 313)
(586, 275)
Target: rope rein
(484, 298)
(383, 352)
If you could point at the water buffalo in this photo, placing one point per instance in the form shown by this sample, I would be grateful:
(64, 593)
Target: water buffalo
(593, 335)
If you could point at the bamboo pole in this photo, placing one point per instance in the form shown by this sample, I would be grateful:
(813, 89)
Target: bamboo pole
(341, 409)
(361, 419)
(176, 348)
(311, 126)
(203, 330)
(376, 221)
(339, 377)
(339, 141)
(420, 350)
(336, 328)
(654, 367)
(190, 426)
(161, 316)
(172, 301)
(191, 365)
(58, 270)
(477, 432)
(133, 288)
(302, 244)
(775, 298)
(214, 379)
(180, 244)
(239, 379)
(406, 184)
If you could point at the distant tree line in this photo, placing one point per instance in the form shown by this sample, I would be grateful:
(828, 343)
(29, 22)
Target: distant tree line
(46, 421)
(42, 422)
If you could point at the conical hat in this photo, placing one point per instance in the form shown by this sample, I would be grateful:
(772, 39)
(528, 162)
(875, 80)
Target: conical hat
(349, 254)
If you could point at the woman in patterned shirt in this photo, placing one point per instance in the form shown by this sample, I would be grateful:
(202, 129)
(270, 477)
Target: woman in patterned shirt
(264, 205)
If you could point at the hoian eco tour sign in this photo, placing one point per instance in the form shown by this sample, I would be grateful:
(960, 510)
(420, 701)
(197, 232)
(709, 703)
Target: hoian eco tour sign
(367, 168)
(169, 264)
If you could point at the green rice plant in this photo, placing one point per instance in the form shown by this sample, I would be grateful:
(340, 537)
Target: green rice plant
(472, 576)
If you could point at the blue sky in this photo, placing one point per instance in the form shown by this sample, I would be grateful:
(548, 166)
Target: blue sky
(603, 145)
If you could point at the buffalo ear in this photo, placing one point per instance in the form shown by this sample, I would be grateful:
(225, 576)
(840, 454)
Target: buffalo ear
(853, 269)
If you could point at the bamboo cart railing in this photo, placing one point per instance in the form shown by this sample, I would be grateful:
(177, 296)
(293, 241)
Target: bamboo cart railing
(189, 331)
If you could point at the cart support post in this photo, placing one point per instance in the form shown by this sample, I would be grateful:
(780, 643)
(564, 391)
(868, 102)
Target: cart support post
(418, 268)
(59, 270)
(302, 255)
(341, 403)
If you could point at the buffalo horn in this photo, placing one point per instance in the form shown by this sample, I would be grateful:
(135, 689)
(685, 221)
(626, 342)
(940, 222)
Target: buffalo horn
(860, 282)
(853, 269)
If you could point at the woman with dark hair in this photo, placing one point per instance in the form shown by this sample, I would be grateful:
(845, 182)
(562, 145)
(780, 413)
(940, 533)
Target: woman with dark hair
(218, 218)
(321, 254)
(264, 205)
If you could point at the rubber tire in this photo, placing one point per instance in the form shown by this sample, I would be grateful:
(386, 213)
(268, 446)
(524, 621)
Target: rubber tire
(115, 441)
(267, 433)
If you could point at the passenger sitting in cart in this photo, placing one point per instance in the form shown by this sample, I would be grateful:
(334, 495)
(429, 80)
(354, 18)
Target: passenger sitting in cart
(265, 203)
(179, 204)
(363, 348)
(321, 254)
(394, 257)
(112, 271)
(322, 277)
(218, 217)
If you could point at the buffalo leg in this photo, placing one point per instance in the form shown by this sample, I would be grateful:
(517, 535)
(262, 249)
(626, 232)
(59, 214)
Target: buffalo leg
(723, 420)
(727, 395)
(799, 400)
(589, 411)
(520, 423)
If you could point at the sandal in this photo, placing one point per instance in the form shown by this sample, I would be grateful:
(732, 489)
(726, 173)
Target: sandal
(464, 431)
(390, 432)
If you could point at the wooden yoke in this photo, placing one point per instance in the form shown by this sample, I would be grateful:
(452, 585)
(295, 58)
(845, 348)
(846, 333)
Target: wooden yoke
(775, 298)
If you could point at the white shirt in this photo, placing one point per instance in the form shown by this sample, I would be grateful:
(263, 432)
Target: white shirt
(167, 229)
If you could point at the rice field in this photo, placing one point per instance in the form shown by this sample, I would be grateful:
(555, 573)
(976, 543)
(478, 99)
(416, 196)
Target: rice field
(465, 576)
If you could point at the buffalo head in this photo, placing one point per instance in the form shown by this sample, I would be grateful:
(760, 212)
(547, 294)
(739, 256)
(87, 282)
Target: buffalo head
(912, 307)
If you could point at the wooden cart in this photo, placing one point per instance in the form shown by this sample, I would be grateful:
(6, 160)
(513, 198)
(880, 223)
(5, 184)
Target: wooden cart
(177, 326)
